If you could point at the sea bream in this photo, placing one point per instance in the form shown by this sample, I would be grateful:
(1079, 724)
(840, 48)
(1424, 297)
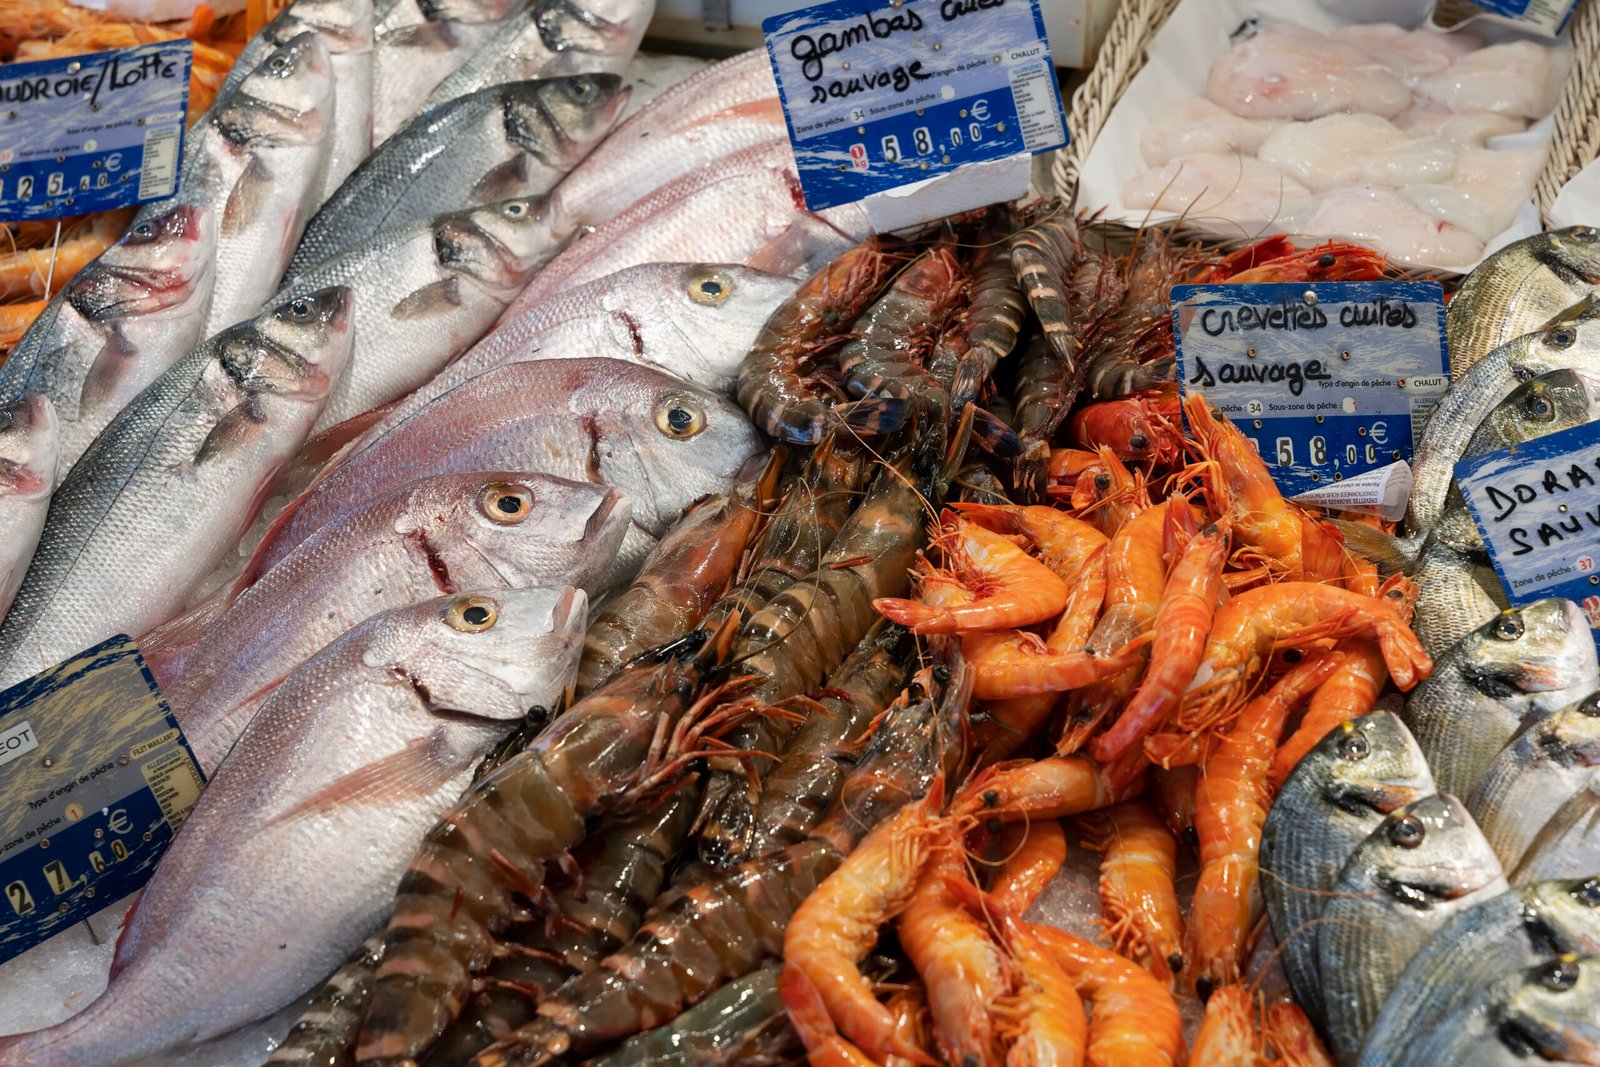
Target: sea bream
(1551, 759)
(1519, 290)
(1568, 844)
(1545, 1014)
(292, 854)
(28, 463)
(167, 489)
(419, 43)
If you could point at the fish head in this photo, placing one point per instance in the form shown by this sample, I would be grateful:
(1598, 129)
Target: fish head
(1573, 344)
(1370, 764)
(1572, 251)
(560, 119)
(467, 11)
(593, 27)
(28, 448)
(501, 245)
(517, 522)
(1562, 915)
(1550, 1014)
(158, 264)
(297, 348)
(719, 309)
(286, 100)
(344, 25)
(1569, 737)
(1557, 400)
(1545, 646)
(1427, 853)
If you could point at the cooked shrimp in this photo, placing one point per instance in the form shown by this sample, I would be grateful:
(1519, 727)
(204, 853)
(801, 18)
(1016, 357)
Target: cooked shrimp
(1241, 485)
(1063, 542)
(1322, 554)
(1140, 429)
(1175, 788)
(808, 1014)
(1133, 1020)
(1350, 692)
(1030, 864)
(1139, 860)
(1048, 788)
(1334, 261)
(998, 586)
(1291, 1036)
(909, 1006)
(1107, 494)
(1227, 1036)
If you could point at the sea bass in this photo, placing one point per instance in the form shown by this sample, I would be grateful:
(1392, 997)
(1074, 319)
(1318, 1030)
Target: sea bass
(419, 43)
(504, 142)
(120, 322)
(1519, 290)
(28, 464)
(1549, 761)
(294, 849)
(170, 485)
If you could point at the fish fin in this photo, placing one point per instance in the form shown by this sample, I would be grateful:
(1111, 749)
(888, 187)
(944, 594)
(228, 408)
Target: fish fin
(435, 35)
(421, 767)
(256, 566)
(1393, 555)
(249, 194)
(229, 434)
(321, 452)
(440, 298)
(509, 179)
(118, 961)
(792, 249)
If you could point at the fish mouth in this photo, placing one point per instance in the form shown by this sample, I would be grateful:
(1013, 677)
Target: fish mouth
(1359, 798)
(1422, 895)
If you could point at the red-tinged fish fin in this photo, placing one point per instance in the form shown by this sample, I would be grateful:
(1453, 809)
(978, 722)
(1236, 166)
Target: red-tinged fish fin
(249, 194)
(785, 253)
(117, 959)
(257, 565)
(422, 766)
(318, 456)
(229, 435)
(440, 298)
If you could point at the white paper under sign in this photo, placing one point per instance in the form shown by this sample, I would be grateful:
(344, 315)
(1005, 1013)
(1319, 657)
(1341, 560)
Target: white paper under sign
(1385, 490)
(1549, 17)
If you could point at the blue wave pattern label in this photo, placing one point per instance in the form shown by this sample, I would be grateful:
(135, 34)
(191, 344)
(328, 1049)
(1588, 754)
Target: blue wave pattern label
(92, 132)
(1538, 507)
(879, 95)
(1328, 380)
(1548, 16)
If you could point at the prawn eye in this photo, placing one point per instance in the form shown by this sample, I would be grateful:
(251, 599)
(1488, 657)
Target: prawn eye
(1325, 260)
(507, 503)
(1509, 626)
(1560, 337)
(471, 614)
(1588, 893)
(1138, 441)
(1355, 746)
(1559, 975)
(680, 416)
(1407, 831)
(709, 287)
(1102, 482)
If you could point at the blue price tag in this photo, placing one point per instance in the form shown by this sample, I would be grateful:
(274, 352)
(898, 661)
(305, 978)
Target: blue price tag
(93, 132)
(883, 94)
(1549, 16)
(1538, 507)
(1328, 380)
(95, 778)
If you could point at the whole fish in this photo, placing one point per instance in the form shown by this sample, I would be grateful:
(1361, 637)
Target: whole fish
(1510, 932)
(293, 851)
(28, 463)
(745, 208)
(550, 38)
(1549, 761)
(346, 27)
(416, 44)
(1571, 346)
(504, 142)
(425, 294)
(489, 530)
(1424, 864)
(1543, 1014)
(1569, 843)
(1336, 796)
(173, 481)
(723, 109)
(1527, 660)
(119, 323)
(1519, 290)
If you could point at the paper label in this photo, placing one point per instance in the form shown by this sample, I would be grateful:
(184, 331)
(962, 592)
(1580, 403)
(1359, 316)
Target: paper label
(95, 778)
(1548, 16)
(1328, 380)
(881, 94)
(92, 132)
(1538, 507)
(1385, 490)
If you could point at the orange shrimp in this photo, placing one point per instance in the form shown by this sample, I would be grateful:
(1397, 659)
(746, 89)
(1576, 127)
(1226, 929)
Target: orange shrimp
(836, 925)
(1360, 574)
(988, 583)
(1322, 554)
(808, 1014)
(909, 1006)
(1133, 1019)
(1139, 860)
(1246, 630)
(1049, 788)
(15, 320)
(1351, 692)
(1243, 259)
(1227, 1036)
(1332, 262)
(1175, 788)
(1066, 464)
(1230, 809)
(1030, 864)
(1107, 494)
(1291, 1036)
(1142, 428)
(1064, 543)
(1241, 486)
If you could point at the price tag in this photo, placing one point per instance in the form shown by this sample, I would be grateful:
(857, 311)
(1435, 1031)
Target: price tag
(95, 778)
(1538, 507)
(92, 132)
(1547, 16)
(1328, 380)
(882, 94)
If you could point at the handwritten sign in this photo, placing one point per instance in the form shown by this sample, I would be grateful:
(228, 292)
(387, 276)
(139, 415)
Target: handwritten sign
(92, 132)
(95, 778)
(1538, 507)
(1328, 380)
(883, 93)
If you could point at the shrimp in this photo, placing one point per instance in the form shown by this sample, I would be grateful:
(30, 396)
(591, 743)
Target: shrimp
(1030, 864)
(1227, 1036)
(325, 1032)
(995, 585)
(1064, 543)
(1175, 796)
(1048, 788)
(884, 359)
(1139, 860)
(909, 1007)
(1230, 809)
(1332, 262)
(1133, 1020)
(1139, 429)
(773, 387)
(736, 1024)
(26, 271)
(1349, 693)
(811, 1018)
(1241, 486)
(1107, 494)
(1290, 1035)
(1242, 259)
(1114, 366)
(1322, 555)
(993, 320)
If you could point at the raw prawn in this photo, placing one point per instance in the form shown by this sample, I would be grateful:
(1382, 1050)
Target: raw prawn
(884, 359)
(1138, 862)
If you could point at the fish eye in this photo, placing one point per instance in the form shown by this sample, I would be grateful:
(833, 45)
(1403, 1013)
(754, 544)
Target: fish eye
(1560, 337)
(300, 309)
(1509, 626)
(1559, 975)
(1590, 706)
(507, 503)
(1355, 746)
(1582, 233)
(582, 90)
(514, 209)
(1102, 482)
(709, 287)
(278, 63)
(471, 614)
(1407, 831)
(680, 416)
(1588, 893)
(144, 229)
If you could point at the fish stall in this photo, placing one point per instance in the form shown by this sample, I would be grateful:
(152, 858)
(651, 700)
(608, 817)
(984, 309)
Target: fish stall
(871, 532)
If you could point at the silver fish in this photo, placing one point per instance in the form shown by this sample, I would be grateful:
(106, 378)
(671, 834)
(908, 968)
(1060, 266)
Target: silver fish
(425, 294)
(1337, 795)
(1568, 845)
(1519, 290)
(506, 141)
(120, 322)
(419, 43)
(293, 851)
(1510, 932)
(172, 482)
(1526, 660)
(551, 38)
(28, 462)
(437, 535)
(1424, 864)
(1551, 759)
(1546, 1013)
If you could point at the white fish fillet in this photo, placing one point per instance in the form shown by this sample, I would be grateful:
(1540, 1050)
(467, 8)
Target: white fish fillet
(1519, 78)
(1197, 125)
(1284, 71)
(1409, 54)
(1487, 190)
(1229, 188)
(1341, 150)
(1383, 219)
(1463, 129)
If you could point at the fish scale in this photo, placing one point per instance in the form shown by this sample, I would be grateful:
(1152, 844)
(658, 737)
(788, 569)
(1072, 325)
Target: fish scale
(1518, 290)
(419, 43)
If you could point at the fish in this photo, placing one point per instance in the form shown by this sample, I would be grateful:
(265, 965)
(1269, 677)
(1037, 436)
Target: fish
(1510, 932)
(117, 325)
(1518, 290)
(1551, 759)
(293, 851)
(1337, 795)
(1568, 845)
(416, 44)
(171, 483)
(1529, 660)
(724, 109)
(550, 38)
(483, 530)
(507, 141)
(1424, 864)
(28, 462)
(425, 294)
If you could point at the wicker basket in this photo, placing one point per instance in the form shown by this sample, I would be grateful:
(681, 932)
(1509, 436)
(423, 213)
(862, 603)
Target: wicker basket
(1576, 142)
